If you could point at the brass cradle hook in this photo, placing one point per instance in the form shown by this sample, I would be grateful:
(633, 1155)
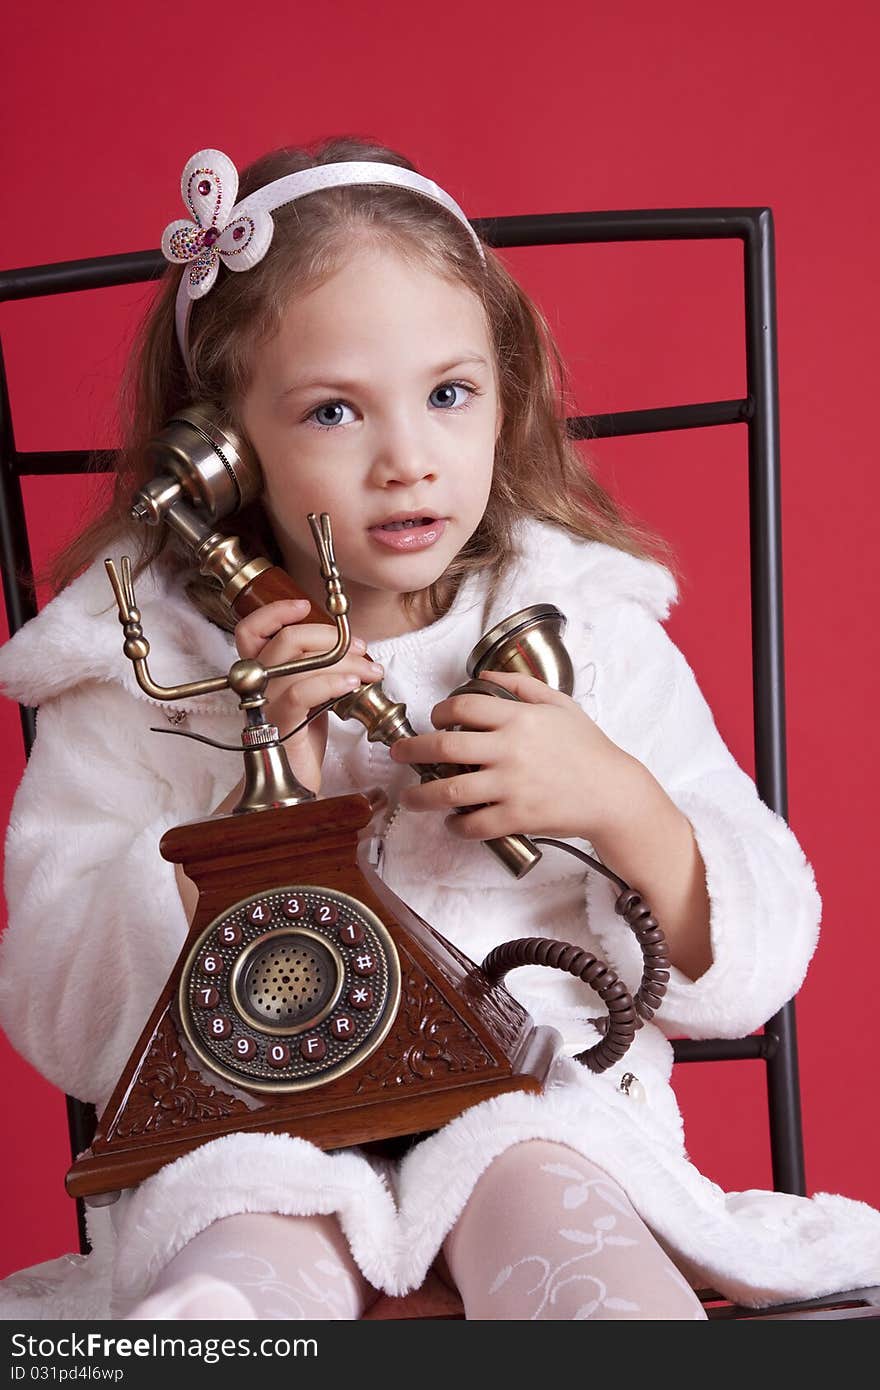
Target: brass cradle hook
(269, 779)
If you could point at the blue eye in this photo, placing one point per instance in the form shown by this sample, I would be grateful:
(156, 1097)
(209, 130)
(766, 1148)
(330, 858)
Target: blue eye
(334, 406)
(328, 406)
(457, 386)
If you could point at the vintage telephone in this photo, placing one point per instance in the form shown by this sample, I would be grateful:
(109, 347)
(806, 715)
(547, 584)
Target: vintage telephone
(308, 998)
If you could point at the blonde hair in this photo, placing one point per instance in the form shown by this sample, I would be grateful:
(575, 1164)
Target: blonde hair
(537, 471)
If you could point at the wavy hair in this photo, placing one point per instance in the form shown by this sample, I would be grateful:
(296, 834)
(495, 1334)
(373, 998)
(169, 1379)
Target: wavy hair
(538, 471)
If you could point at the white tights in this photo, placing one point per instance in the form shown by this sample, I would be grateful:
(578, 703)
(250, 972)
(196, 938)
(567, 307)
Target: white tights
(545, 1235)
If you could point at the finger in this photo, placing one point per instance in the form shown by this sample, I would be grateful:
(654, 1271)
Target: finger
(290, 643)
(485, 712)
(483, 823)
(465, 789)
(303, 694)
(257, 627)
(313, 689)
(527, 688)
(282, 621)
(447, 746)
(301, 644)
(365, 670)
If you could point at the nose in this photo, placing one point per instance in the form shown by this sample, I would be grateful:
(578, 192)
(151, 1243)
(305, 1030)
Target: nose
(401, 456)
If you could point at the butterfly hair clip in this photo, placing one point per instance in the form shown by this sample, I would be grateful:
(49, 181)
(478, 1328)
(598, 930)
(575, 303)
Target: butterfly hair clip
(209, 187)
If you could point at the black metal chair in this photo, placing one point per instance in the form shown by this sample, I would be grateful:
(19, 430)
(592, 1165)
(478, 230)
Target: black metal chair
(776, 1045)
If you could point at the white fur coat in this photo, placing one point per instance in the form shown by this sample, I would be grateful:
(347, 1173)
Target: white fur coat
(96, 923)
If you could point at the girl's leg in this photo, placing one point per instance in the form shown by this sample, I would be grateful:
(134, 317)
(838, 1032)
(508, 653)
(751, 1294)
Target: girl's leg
(261, 1265)
(547, 1235)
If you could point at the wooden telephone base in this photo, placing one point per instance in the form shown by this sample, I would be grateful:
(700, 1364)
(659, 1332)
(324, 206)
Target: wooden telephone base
(309, 1000)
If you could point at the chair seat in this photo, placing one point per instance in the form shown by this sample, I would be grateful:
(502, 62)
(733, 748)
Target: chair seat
(854, 1303)
(433, 1300)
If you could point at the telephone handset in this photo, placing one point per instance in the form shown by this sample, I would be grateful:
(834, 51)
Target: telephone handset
(308, 998)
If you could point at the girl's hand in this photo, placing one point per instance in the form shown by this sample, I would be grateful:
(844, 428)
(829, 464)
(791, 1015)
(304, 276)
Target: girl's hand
(274, 635)
(538, 765)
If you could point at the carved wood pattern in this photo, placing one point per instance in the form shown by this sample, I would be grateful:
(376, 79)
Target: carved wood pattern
(169, 1095)
(497, 1006)
(428, 1040)
(503, 1013)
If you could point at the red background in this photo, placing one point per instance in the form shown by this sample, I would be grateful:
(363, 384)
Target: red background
(575, 106)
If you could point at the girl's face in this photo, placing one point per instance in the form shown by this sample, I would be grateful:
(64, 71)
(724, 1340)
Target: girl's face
(377, 400)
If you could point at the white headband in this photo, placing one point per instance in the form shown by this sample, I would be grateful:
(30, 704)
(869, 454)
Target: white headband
(239, 234)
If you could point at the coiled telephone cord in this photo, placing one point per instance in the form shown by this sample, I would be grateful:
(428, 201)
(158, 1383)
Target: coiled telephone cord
(626, 1012)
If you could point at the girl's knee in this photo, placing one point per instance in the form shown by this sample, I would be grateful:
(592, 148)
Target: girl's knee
(537, 1162)
(527, 1177)
(286, 1266)
(547, 1233)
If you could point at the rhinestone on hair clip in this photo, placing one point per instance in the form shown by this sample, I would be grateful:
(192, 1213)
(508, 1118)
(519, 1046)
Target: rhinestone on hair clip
(239, 234)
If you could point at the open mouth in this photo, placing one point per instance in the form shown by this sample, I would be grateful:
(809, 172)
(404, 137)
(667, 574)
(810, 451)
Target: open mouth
(402, 525)
(411, 533)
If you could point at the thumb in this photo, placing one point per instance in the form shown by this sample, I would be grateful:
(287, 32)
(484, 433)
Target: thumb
(526, 688)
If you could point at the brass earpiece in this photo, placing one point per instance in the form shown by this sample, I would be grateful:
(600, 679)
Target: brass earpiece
(530, 642)
(198, 456)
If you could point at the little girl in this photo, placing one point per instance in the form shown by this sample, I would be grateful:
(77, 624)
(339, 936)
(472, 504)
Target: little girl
(387, 370)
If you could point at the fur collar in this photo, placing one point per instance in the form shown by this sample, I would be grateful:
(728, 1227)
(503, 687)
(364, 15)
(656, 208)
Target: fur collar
(77, 636)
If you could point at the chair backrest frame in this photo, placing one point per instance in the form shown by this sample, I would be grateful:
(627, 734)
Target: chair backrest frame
(776, 1046)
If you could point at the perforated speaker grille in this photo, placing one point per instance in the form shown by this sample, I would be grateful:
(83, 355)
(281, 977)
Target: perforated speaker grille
(288, 981)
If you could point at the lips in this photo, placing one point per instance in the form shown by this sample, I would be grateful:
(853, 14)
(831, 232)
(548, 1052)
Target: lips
(408, 531)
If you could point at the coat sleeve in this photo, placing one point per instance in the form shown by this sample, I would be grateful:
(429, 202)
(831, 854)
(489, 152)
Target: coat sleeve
(95, 921)
(764, 905)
